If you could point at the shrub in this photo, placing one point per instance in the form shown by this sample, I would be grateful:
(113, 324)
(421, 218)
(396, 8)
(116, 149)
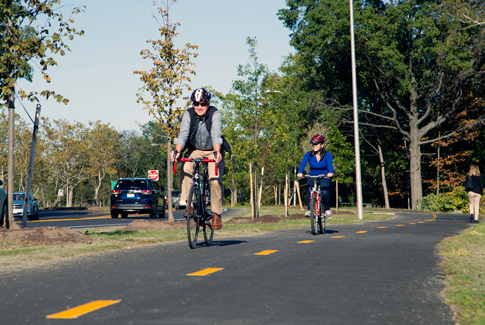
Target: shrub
(446, 202)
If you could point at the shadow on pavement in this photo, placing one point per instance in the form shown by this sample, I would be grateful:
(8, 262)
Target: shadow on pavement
(228, 242)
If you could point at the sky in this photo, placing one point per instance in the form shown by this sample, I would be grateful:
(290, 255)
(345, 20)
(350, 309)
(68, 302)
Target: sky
(97, 75)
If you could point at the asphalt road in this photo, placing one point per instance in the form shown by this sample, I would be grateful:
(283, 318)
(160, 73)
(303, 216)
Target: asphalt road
(372, 273)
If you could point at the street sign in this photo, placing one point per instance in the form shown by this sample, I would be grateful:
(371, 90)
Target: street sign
(60, 193)
(153, 174)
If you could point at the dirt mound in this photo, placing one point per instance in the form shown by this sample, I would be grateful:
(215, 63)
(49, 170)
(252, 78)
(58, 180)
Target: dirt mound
(44, 235)
(155, 225)
(262, 219)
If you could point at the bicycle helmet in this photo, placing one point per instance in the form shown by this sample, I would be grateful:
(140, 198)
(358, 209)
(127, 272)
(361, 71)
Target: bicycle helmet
(317, 139)
(201, 95)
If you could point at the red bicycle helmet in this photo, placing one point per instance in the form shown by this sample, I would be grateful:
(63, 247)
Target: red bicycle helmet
(201, 95)
(317, 139)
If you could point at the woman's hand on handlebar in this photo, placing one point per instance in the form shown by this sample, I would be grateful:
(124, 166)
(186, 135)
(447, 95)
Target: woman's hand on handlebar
(299, 175)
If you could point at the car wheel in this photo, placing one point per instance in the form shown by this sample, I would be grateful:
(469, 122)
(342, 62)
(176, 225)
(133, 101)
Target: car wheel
(154, 211)
(36, 214)
(161, 214)
(3, 215)
(114, 215)
(124, 215)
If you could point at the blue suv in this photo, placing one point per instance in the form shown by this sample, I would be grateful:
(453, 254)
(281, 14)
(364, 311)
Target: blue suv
(136, 196)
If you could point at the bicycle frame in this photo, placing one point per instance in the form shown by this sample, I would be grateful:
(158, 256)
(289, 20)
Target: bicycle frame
(316, 191)
(317, 216)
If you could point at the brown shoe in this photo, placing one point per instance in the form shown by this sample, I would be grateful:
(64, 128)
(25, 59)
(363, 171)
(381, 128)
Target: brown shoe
(216, 221)
(191, 211)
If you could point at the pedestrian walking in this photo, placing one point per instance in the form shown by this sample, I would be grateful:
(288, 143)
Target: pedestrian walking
(474, 187)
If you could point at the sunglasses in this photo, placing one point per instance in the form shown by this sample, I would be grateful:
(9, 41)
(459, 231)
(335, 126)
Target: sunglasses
(203, 104)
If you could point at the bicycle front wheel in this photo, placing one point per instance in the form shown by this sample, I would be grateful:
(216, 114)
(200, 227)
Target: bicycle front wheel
(321, 223)
(314, 214)
(208, 232)
(193, 219)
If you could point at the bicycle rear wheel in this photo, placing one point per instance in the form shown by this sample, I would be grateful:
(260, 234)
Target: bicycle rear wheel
(208, 232)
(314, 214)
(193, 219)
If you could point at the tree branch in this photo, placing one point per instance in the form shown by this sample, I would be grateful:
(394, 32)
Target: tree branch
(460, 129)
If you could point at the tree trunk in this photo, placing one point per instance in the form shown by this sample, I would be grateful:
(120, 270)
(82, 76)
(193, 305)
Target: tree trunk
(233, 192)
(251, 199)
(286, 194)
(71, 194)
(299, 197)
(255, 173)
(383, 177)
(415, 171)
(11, 172)
(275, 195)
(169, 182)
(260, 191)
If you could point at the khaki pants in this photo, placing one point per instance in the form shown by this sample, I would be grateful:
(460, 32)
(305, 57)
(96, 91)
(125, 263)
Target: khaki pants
(216, 187)
(474, 199)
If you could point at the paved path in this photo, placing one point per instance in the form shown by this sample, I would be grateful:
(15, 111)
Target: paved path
(371, 273)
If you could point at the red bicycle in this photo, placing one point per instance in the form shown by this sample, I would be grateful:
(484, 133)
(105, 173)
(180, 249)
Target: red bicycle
(198, 217)
(317, 213)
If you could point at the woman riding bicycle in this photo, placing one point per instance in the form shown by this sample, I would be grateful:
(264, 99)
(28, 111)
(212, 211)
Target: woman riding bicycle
(321, 164)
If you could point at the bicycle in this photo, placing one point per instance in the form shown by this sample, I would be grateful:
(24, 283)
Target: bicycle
(317, 216)
(198, 198)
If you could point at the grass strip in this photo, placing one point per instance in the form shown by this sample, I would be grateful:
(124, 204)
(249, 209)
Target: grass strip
(464, 265)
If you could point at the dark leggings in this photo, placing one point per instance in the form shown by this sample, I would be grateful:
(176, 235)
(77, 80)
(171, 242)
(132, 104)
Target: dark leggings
(324, 193)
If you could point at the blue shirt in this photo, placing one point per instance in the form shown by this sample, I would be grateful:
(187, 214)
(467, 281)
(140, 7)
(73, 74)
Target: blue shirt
(322, 167)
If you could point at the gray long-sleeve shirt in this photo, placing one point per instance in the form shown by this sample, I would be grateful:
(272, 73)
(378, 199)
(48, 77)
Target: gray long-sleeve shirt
(203, 139)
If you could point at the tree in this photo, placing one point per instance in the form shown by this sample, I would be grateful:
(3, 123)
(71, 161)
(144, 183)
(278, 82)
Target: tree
(414, 62)
(246, 105)
(69, 154)
(22, 42)
(102, 141)
(166, 82)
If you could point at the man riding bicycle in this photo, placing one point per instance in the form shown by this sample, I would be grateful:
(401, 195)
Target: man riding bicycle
(321, 164)
(201, 134)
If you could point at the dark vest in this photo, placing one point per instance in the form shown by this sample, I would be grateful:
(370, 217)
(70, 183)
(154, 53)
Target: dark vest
(194, 126)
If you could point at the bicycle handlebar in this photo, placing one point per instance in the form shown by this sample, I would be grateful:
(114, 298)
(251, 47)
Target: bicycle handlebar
(318, 176)
(196, 160)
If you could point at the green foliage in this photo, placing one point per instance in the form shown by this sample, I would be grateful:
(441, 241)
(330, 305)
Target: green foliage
(21, 42)
(165, 83)
(447, 202)
(415, 61)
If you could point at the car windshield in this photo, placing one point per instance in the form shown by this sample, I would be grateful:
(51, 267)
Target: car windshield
(130, 185)
(175, 193)
(19, 196)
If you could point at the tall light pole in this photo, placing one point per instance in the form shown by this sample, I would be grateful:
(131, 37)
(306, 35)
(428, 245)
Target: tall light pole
(358, 177)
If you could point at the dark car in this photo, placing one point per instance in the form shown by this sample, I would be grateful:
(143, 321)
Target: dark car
(137, 196)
